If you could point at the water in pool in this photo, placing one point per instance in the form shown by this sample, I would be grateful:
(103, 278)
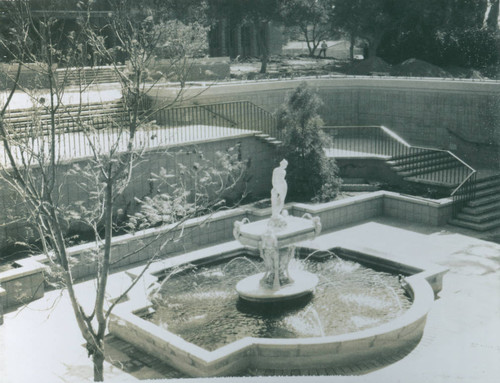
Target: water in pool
(202, 306)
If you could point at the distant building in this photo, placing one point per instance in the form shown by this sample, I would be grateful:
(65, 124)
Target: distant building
(234, 39)
(228, 37)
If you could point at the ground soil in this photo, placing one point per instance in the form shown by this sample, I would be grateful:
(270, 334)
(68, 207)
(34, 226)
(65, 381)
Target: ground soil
(304, 65)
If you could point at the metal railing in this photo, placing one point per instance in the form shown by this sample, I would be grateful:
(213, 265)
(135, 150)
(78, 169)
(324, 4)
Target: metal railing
(242, 115)
(435, 165)
(211, 121)
(80, 130)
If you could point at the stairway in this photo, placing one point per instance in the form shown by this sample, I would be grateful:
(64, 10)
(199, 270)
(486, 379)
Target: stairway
(430, 167)
(70, 118)
(358, 185)
(88, 75)
(483, 212)
(268, 139)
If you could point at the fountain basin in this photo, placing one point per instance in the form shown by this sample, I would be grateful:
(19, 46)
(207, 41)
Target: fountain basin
(297, 229)
(349, 349)
(276, 238)
(250, 288)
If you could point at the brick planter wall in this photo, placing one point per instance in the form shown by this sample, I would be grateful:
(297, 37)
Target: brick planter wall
(261, 157)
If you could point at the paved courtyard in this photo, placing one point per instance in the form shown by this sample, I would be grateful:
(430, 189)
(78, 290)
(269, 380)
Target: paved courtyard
(461, 343)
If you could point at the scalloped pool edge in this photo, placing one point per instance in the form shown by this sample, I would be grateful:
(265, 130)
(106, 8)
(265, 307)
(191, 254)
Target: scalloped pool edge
(301, 353)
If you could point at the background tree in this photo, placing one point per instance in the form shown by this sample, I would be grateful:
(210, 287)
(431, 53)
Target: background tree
(310, 174)
(261, 13)
(34, 154)
(311, 17)
(446, 33)
(367, 20)
(258, 13)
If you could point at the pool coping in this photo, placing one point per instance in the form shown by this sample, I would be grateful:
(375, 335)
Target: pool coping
(251, 352)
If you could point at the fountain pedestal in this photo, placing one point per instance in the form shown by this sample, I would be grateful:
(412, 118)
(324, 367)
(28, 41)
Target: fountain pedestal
(276, 241)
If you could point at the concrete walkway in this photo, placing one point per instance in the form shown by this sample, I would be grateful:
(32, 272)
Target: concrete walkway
(461, 343)
(78, 145)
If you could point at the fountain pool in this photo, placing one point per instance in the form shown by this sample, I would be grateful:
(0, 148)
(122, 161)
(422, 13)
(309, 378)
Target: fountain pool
(306, 339)
(201, 304)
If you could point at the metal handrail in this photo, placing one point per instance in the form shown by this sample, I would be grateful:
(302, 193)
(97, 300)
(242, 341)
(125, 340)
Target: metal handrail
(454, 192)
(205, 107)
(243, 115)
(462, 193)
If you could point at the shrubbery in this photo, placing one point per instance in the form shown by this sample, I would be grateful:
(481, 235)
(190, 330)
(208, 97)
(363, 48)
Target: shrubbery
(465, 47)
(468, 48)
(311, 175)
(194, 190)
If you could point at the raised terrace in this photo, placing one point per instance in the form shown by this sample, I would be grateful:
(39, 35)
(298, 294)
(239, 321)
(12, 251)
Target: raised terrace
(371, 285)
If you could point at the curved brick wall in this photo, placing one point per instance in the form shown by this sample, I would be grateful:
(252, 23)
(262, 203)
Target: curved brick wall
(461, 115)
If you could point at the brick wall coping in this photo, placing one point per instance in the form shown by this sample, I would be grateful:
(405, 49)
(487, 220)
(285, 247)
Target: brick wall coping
(362, 82)
(297, 208)
(321, 207)
(29, 266)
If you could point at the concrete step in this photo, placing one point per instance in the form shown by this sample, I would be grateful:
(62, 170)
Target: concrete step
(481, 209)
(268, 139)
(492, 182)
(486, 192)
(411, 173)
(424, 154)
(479, 218)
(487, 199)
(487, 175)
(68, 122)
(104, 106)
(67, 116)
(431, 182)
(485, 226)
(262, 135)
(424, 164)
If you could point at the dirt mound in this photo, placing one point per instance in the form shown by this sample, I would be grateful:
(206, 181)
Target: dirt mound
(418, 68)
(374, 65)
(459, 72)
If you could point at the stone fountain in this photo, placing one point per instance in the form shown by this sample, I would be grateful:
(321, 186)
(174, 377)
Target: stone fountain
(256, 342)
(276, 238)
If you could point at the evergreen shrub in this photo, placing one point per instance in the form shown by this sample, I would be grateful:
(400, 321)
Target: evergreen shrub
(311, 175)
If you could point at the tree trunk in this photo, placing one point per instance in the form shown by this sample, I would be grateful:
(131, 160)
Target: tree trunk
(311, 49)
(373, 46)
(264, 46)
(492, 19)
(98, 360)
(263, 64)
(351, 47)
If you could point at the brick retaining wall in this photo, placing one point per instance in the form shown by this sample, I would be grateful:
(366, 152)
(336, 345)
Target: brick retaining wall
(459, 115)
(261, 157)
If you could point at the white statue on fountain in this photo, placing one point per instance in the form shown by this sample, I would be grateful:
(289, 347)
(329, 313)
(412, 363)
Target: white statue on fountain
(278, 195)
(275, 239)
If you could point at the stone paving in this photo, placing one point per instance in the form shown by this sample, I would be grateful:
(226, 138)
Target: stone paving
(461, 343)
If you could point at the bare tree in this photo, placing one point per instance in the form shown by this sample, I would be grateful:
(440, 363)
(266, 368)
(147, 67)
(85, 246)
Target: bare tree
(311, 17)
(35, 151)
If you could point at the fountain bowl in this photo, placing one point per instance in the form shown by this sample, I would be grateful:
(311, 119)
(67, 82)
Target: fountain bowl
(296, 230)
(250, 288)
